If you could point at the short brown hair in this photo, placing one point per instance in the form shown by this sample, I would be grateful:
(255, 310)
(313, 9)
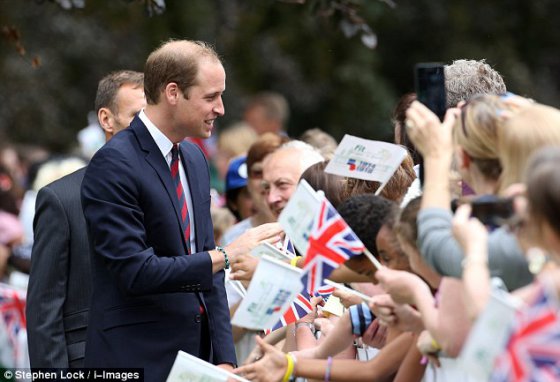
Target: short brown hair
(109, 86)
(265, 144)
(174, 61)
(332, 185)
(274, 105)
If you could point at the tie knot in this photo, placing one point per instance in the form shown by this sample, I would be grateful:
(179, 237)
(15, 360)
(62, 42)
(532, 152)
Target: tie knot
(175, 152)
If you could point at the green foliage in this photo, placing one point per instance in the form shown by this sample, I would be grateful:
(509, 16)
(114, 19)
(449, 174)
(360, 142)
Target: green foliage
(331, 80)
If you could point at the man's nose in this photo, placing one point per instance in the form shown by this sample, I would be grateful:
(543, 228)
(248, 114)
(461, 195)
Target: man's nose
(219, 107)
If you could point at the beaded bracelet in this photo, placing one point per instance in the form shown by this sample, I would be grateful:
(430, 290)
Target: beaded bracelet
(226, 258)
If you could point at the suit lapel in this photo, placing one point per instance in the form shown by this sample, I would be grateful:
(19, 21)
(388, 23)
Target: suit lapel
(156, 160)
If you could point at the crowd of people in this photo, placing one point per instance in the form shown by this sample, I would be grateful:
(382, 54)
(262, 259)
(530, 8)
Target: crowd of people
(133, 257)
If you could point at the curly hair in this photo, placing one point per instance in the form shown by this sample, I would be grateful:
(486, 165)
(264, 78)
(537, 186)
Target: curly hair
(466, 78)
(366, 214)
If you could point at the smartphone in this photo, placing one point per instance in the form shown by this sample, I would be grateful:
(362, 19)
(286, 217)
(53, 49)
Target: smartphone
(429, 84)
(492, 211)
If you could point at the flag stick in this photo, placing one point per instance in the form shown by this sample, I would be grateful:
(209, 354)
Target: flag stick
(351, 291)
(372, 258)
(381, 187)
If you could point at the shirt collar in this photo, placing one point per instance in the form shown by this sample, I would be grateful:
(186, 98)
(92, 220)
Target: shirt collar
(162, 142)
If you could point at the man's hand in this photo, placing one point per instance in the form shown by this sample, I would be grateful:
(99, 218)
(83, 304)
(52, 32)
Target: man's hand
(270, 232)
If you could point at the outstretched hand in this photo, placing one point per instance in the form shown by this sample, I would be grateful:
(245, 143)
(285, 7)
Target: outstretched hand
(271, 367)
(269, 232)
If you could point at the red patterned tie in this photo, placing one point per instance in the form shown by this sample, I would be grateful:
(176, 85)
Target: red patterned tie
(180, 194)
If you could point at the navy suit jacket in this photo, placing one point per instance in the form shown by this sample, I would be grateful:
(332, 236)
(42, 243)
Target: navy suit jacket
(146, 291)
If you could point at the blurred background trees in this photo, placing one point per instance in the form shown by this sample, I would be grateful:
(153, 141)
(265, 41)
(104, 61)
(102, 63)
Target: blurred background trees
(306, 50)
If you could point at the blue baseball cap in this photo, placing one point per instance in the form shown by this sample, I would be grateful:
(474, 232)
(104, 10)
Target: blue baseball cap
(236, 176)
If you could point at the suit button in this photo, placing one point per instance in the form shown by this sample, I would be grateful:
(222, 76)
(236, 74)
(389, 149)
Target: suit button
(197, 318)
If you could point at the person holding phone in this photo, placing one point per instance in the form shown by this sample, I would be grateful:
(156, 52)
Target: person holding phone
(473, 130)
(540, 308)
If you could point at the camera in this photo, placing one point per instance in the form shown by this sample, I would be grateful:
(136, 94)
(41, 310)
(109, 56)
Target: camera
(492, 211)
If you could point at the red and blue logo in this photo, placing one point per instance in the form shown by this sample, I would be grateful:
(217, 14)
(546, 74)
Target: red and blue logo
(351, 164)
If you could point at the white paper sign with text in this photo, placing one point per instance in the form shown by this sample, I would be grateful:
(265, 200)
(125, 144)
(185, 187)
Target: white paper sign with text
(269, 250)
(188, 368)
(488, 336)
(298, 215)
(274, 286)
(366, 159)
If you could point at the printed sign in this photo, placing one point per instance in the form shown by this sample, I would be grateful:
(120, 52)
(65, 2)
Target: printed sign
(269, 250)
(488, 336)
(274, 286)
(366, 159)
(298, 215)
(188, 368)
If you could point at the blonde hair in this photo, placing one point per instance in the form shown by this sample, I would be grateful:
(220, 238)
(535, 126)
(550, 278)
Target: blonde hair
(55, 169)
(531, 128)
(237, 139)
(222, 220)
(476, 131)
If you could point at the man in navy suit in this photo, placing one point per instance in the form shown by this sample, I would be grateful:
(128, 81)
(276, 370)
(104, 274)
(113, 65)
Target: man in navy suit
(59, 289)
(158, 282)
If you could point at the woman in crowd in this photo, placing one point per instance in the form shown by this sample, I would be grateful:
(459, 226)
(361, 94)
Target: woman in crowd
(473, 129)
(537, 323)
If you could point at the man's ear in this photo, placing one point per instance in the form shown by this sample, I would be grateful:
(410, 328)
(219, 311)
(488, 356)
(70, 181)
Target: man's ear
(106, 120)
(172, 93)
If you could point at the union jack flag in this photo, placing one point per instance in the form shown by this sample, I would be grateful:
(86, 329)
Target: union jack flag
(300, 307)
(533, 350)
(12, 313)
(332, 242)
